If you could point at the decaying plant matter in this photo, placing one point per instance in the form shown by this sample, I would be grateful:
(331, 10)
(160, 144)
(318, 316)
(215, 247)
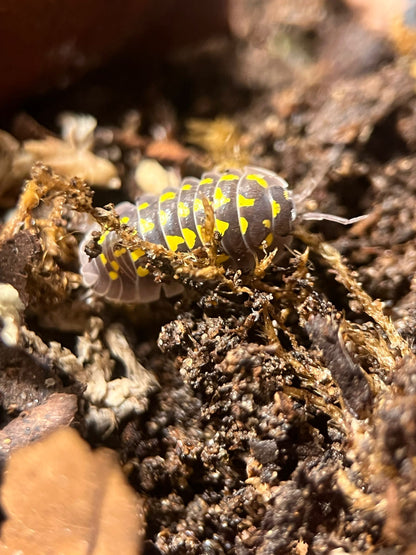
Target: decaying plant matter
(270, 412)
(266, 394)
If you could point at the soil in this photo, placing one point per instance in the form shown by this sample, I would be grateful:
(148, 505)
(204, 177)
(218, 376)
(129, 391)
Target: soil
(271, 413)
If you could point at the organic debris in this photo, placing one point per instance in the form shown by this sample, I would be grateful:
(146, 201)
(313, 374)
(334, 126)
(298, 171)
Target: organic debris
(69, 156)
(221, 139)
(36, 423)
(11, 308)
(264, 413)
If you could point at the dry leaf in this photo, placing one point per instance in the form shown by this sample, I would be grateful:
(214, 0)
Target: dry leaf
(60, 497)
(68, 160)
(168, 150)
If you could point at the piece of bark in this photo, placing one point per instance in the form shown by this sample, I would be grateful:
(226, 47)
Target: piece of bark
(36, 423)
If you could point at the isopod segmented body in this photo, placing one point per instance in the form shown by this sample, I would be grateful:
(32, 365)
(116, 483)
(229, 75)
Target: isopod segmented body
(253, 213)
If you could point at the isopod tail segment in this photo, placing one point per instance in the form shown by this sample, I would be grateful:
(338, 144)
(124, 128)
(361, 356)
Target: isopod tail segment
(253, 214)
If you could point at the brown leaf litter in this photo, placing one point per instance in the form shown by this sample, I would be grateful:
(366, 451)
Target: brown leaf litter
(270, 413)
(60, 497)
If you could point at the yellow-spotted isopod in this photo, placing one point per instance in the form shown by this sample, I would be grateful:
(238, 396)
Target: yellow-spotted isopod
(254, 214)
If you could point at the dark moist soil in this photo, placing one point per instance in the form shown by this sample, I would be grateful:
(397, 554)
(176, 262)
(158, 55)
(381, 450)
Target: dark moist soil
(277, 413)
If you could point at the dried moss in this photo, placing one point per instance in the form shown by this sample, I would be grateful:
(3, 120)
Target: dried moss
(270, 413)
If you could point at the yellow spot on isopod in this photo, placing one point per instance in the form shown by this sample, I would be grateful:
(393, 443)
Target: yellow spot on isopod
(198, 205)
(163, 217)
(221, 258)
(219, 198)
(243, 225)
(206, 181)
(258, 179)
(136, 254)
(143, 205)
(115, 265)
(125, 220)
(170, 195)
(221, 226)
(189, 236)
(286, 194)
(102, 238)
(269, 239)
(119, 252)
(174, 241)
(142, 271)
(146, 225)
(113, 275)
(103, 258)
(183, 210)
(229, 177)
(243, 201)
(187, 187)
(199, 229)
(267, 223)
(275, 208)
